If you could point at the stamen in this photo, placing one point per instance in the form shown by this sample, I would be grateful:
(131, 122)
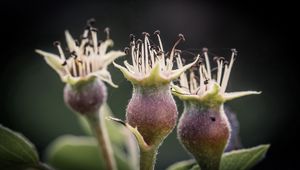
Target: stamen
(95, 41)
(180, 38)
(91, 22)
(61, 53)
(183, 79)
(84, 40)
(87, 66)
(107, 31)
(150, 49)
(220, 67)
(132, 37)
(74, 70)
(205, 50)
(126, 50)
(228, 70)
(146, 52)
(201, 79)
(143, 59)
(157, 33)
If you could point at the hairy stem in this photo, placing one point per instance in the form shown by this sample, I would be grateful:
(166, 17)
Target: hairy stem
(98, 126)
(147, 158)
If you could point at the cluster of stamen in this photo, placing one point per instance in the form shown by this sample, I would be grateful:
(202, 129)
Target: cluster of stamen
(146, 54)
(82, 55)
(200, 76)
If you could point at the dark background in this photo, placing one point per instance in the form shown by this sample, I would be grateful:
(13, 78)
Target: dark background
(31, 93)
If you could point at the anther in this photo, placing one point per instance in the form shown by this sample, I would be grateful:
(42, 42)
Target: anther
(226, 62)
(56, 43)
(145, 34)
(126, 50)
(206, 81)
(221, 59)
(181, 37)
(131, 37)
(216, 58)
(152, 47)
(64, 63)
(157, 32)
(234, 51)
(160, 52)
(204, 50)
(200, 60)
(91, 22)
(73, 53)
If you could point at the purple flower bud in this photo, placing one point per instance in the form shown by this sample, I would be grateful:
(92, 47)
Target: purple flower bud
(204, 132)
(153, 111)
(85, 97)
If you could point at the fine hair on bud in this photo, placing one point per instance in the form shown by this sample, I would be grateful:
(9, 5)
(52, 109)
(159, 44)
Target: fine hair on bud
(85, 97)
(153, 111)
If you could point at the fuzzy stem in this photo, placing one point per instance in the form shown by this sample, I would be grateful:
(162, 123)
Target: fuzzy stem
(98, 126)
(147, 158)
(211, 164)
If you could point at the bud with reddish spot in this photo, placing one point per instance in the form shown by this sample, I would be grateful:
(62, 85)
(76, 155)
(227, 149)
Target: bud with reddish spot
(203, 128)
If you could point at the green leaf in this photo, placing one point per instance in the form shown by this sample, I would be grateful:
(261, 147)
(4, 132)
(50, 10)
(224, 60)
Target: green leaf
(16, 152)
(182, 165)
(244, 158)
(80, 153)
(235, 160)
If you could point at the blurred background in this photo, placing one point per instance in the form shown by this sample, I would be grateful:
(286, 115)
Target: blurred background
(31, 99)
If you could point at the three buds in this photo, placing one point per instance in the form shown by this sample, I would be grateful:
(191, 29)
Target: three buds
(155, 73)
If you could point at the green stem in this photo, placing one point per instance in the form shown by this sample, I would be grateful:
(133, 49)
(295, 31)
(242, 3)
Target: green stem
(99, 128)
(147, 158)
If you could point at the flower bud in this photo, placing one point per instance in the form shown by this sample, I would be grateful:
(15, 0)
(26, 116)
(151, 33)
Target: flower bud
(203, 128)
(85, 97)
(153, 111)
(204, 132)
